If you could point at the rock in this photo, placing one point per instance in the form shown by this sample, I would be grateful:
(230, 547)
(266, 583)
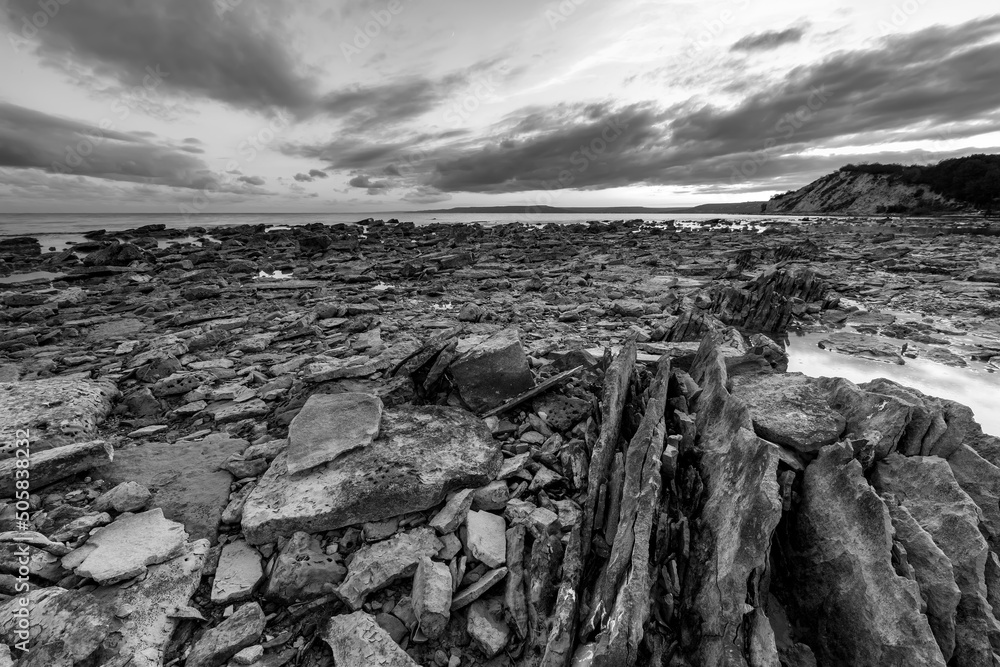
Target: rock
(492, 497)
(395, 627)
(375, 566)
(790, 409)
(421, 454)
(329, 425)
(185, 477)
(303, 571)
(125, 548)
(869, 415)
(234, 634)
(981, 480)
(238, 573)
(487, 628)
(843, 576)
(230, 411)
(52, 465)
(114, 254)
(358, 641)
(453, 514)
(474, 591)
(864, 346)
(55, 411)
(485, 538)
(126, 497)
(491, 371)
(926, 487)
(249, 655)
(933, 572)
(431, 597)
(937, 426)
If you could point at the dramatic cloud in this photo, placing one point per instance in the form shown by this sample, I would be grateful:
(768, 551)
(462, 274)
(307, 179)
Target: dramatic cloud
(373, 187)
(764, 41)
(233, 56)
(318, 173)
(30, 139)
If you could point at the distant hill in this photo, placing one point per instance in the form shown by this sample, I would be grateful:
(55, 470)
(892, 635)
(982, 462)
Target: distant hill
(739, 208)
(959, 185)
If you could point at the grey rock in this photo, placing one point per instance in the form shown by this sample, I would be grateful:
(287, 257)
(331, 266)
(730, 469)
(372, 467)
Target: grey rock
(358, 641)
(52, 465)
(303, 571)
(126, 497)
(431, 597)
(234, 634)
(329, 425)
(238, 573)
(491, 371)
(375, 566)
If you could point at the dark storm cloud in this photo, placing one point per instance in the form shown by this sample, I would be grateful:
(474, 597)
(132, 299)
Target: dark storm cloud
(232, 56)
(373, 187)
(938, 77)
(368, 108)
(33, 140)
(771, 39)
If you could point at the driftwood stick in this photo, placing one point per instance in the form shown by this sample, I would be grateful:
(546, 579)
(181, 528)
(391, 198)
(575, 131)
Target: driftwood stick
(534, 391)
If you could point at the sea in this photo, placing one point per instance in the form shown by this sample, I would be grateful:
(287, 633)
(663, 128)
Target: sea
(58, 231)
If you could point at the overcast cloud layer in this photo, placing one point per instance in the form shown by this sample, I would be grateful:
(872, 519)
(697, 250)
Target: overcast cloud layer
(367, 105)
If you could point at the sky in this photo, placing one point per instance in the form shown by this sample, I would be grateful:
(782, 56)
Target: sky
(222, 106)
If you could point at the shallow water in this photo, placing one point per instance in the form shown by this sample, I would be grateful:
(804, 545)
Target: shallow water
(975, 386)
(32, 275)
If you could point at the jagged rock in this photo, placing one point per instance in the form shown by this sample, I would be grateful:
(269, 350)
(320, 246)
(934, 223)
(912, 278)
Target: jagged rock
(981, 480)
(126, 547)
(330, 425)
(358, 641)
(304, 571)
(114, 254)
(937, 426)
(176, 384)
(485, 538)
(126, 497)
(421, 454)
(491, 371)
(238, 573)
(864, 346)
(926, 487)
(453, 514)
(933, 572)
(234, 634)
(52, 465)
(487, 628)
(729, 555)
(869, 415)
(55, 411)
(375, 566)
(474, 591)
(432, 589)
(859, 611)
(790, 409)
(185, 478)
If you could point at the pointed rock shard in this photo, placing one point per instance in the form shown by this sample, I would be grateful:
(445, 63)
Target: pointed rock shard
(432, 591)
(330, 425)
(358, 641)
(123, 549)
(421, 454)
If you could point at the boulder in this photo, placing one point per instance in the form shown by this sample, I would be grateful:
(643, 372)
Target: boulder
(790, 409)
(864, 346)
(858, 610)
(879, 418)
(491, 371)
(52, 465)
(54, 411)
(358, 641)
(329, 425)
(937, 426)
(926, 487)
(126, 497)
(125, 548)
(375, 566)
(421, 454)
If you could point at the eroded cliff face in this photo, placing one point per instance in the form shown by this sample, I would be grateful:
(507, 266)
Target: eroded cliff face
(860, 194)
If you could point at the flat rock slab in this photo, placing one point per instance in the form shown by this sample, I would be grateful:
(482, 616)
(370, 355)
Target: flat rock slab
(375, 566)
(55, 411)
(330, 425)
(238, 573)
(125, 548)
(234, 634)
(185, 477)
(864, 346)
(53, 465)
(490, 372)
(421, 454)
(358, 641)
(304, 571)
(790, 409)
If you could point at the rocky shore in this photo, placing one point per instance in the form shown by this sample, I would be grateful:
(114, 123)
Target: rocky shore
(458, 445)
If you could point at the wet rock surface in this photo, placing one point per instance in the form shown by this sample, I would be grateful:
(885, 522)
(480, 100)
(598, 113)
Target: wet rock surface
(497, 446)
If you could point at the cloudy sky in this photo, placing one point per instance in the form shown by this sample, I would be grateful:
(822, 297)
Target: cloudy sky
(384, 105)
